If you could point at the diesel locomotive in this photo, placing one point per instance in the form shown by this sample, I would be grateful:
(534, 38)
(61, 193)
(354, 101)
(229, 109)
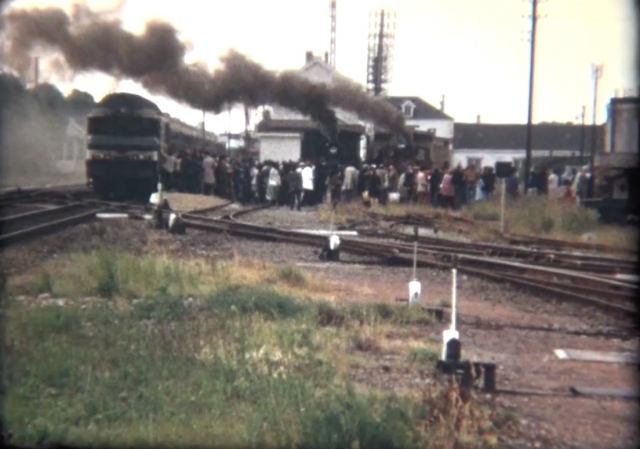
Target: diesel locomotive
(128, 137)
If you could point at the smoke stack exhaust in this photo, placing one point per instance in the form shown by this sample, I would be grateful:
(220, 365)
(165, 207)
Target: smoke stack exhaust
(478, 122)
(308, 57)
(155, 59)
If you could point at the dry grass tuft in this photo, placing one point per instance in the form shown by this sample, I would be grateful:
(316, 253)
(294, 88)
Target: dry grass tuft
(532, 216)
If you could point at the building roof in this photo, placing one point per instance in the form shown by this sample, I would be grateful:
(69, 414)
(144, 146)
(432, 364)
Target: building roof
(545, 136)
(423, 110)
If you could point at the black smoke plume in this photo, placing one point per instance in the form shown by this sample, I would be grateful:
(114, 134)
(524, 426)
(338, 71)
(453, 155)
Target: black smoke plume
(89, 40)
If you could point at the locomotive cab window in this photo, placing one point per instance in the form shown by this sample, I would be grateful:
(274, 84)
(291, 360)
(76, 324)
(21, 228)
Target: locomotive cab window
(124, 126)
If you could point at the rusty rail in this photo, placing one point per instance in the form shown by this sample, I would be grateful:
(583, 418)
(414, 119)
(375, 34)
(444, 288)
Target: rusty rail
(619, 294)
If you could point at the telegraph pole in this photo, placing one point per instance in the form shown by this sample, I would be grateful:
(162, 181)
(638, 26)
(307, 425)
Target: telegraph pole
(332, 44)
(597, 74)
(203, 128)
(582, 132)
(36, 71)
(229, 132)
(527, 163)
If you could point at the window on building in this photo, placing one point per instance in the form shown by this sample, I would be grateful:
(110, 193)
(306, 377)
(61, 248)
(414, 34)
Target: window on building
(408, 108)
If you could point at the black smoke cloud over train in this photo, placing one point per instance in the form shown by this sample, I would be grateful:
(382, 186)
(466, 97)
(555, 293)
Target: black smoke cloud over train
(88, 40)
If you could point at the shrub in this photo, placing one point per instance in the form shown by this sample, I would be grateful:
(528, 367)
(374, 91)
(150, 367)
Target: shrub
(578, 221)
(292, 275)
(107, 275)
(263, 301)
(43, 283)
(546, 225)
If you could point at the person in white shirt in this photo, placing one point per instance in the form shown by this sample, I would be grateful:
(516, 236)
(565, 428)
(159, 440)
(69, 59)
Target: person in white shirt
(209, 178)
(273, 185)
(421, 186)
(167, 173)
(307, 185)
(553, 186)
(253, 173)
(350, 182)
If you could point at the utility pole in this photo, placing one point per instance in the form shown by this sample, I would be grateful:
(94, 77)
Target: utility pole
(596, 71)
(229, 132)
(246, 126)
(582, 132)
(203, 129)
(332, 45)
(36, 70)
(527, 163)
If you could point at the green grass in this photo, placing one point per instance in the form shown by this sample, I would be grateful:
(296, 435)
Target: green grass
(244, 365)
(292, 275)
(424, 356)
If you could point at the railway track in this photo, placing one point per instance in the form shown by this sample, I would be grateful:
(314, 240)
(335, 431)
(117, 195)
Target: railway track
(604, 265)
(532, 242)
(606, 293)
(21, 227)
(579, 277)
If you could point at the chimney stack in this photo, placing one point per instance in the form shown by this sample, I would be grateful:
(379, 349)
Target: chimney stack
(309, 56)
(326, 57)
(478, 119)
(442, 105)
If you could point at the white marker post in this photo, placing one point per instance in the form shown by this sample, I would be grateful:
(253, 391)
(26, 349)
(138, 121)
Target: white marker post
(415, 288)
(333, 242)
(451, 333)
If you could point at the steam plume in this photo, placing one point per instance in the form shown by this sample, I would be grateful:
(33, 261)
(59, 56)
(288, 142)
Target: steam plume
(89, 40)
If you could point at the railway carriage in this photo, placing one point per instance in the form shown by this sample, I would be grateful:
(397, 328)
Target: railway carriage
(127, 139)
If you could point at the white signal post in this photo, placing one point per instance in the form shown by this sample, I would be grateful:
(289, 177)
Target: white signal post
(415, 288)
(451, 333)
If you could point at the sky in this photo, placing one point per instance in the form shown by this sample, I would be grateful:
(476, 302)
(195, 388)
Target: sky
(475, 53)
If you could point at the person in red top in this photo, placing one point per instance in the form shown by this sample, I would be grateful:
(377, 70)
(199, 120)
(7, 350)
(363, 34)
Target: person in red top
(446, 190)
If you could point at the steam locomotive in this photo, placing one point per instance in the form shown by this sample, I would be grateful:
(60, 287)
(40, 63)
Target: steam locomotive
(128, 137)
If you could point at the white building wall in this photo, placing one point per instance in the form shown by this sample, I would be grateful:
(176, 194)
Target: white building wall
(488, 158)
(280, 147)
(444, 128)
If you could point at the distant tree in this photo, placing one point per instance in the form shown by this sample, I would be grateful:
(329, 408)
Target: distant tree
(80, 103)
(50, 100)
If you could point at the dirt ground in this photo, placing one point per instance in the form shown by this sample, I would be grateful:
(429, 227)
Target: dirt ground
(525, 358)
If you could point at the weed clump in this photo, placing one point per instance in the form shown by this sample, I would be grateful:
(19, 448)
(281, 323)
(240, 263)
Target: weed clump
(292, 275)
(423, 356)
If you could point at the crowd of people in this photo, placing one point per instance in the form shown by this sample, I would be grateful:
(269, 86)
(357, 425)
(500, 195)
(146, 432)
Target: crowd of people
(572, 185)
(302, 183)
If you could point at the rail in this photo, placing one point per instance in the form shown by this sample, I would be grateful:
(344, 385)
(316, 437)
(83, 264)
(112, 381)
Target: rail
(569, 284)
